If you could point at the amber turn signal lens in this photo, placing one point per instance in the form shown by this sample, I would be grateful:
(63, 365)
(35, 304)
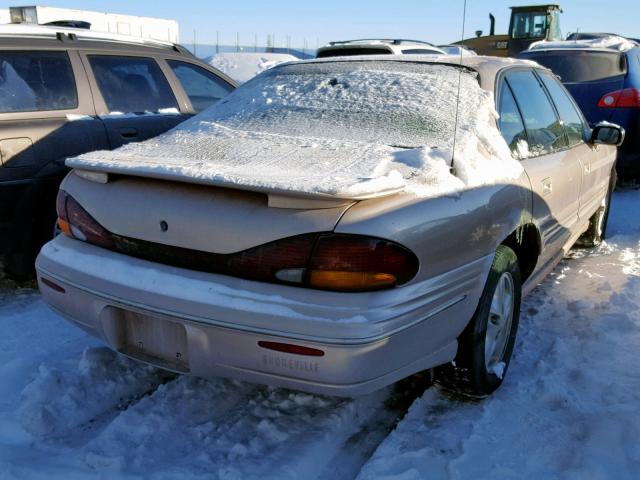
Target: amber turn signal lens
(350, 281)
(64, 227)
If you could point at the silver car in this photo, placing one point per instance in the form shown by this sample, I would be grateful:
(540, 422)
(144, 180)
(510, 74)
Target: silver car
(336, 225)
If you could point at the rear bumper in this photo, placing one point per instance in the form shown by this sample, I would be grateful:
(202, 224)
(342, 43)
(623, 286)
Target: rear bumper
(368, 340)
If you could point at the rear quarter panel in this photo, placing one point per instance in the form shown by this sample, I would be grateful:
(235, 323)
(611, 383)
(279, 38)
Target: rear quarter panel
(445, 232)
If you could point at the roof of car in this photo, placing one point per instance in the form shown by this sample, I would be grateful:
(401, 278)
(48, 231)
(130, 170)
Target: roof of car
(604, 43)
(487, 66)
(67, 34)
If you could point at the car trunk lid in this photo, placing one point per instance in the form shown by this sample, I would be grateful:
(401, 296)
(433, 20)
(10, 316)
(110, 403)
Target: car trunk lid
(199, 217)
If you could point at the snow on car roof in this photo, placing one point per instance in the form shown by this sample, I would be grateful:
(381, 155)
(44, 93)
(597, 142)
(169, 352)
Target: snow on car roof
(611, 42)
(348, 130)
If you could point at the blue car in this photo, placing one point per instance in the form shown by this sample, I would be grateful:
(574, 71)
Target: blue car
(605, 82)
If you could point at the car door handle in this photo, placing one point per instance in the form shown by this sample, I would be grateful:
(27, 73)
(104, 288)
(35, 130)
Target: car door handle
(547, 187)
(128, 132)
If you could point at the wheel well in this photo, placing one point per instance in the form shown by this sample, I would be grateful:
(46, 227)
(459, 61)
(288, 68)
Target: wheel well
(525, 242)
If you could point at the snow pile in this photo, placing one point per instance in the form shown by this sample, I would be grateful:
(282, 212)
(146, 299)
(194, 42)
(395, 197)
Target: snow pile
(340, 129)
(56, 401)
(612, 41)
(570, 405)
(242, 66)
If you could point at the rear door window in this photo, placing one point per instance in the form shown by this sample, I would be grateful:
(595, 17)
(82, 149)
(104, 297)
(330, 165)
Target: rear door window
(36, 81)
(132, 84)
(201, 86)
(581, 66)
(571, 118)
(544, 130)
(510, 123)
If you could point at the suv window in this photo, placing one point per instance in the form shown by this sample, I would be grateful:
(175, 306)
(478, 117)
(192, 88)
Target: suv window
(544, 130)
(35, 81)
(420, 51)
(132, 84)
(201, 86)
(571, 118)
(510, 122)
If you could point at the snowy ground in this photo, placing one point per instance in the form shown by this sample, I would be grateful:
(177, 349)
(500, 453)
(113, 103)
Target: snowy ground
(570, 408)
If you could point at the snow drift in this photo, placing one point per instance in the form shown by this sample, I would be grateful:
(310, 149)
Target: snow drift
(340, 129)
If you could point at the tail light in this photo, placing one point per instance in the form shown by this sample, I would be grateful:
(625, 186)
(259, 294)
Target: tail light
(325, 261)
(359, 263)
(626, 98)
(75, 222)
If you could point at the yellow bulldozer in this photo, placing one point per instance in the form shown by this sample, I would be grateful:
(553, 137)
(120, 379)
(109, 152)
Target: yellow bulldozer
(528, 24)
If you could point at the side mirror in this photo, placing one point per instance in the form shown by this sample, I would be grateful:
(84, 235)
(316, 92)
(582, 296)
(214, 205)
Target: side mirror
(607, 134)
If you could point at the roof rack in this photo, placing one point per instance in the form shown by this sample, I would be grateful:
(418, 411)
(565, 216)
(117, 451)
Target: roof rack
(73, 34)
(394, 41)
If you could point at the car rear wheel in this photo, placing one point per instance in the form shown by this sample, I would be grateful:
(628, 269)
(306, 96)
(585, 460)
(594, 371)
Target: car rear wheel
(597, 230)
(486, 344)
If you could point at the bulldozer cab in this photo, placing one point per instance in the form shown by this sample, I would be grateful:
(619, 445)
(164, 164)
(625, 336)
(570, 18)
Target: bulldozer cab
(535, 22)
(528, 24)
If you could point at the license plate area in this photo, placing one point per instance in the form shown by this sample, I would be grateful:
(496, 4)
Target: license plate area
(150, 339)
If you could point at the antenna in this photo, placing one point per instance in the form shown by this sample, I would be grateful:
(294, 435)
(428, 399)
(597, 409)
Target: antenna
(455, 125)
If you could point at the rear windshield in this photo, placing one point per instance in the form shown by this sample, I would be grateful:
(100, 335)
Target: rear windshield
(395, 103)
(581, 66)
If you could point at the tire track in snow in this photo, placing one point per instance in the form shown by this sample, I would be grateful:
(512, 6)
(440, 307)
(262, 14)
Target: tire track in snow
(229, 429)
(67, 400)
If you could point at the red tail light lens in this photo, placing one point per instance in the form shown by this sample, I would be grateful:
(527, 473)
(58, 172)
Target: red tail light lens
(356, 263)
(627, 98)
(325, 261)
(75, 222)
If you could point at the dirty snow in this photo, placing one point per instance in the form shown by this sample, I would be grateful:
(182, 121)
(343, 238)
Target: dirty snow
(569, 408)
(242, 66)
(612, 41)
(333, 129)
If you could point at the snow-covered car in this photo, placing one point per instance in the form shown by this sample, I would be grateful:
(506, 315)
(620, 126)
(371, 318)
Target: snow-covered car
(372, 46)
(323, 228)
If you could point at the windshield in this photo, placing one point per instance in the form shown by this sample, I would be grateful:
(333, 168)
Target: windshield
(394, 103)
(529, 25)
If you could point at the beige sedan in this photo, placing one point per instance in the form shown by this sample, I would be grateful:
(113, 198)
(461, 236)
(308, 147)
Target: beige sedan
(323, 228)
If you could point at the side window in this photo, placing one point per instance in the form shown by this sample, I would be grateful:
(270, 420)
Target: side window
(571, 118)
(132, 84)
(203, 87)
(36, 81)
(510, 123)
(544, 131)
(420, 51)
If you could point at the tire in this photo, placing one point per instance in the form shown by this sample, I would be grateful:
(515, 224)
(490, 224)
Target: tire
(597, 231)
(481, 364)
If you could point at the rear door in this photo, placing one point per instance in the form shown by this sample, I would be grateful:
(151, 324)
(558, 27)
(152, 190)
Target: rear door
(554, 171)
(133, 97)
(46, 115)
(588, 75)
(596, 162)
